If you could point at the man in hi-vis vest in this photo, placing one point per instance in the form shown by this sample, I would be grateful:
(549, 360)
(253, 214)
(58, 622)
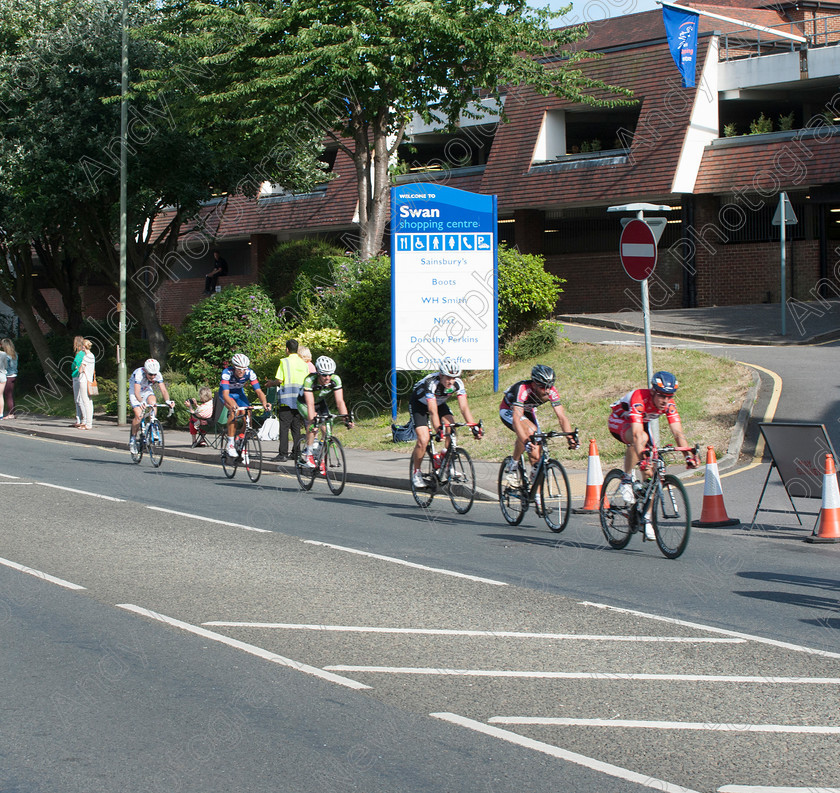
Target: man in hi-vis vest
(291, 373)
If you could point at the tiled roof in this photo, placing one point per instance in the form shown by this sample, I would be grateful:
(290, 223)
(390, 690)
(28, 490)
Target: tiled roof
(762, 165)
(648, 172)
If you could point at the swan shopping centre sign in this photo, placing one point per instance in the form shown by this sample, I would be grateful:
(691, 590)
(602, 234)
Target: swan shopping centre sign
(443, 278)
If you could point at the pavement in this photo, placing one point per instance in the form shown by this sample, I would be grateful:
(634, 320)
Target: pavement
(807, 323)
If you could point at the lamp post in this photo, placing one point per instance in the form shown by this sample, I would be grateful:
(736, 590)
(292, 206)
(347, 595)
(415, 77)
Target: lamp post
(122, 380)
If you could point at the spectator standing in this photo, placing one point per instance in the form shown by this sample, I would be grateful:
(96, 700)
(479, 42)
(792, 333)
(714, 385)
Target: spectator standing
(220, 267)
(11, 375)
(306, 354)
(86, 375)
(3, 362)
(78, 354)
(291, 373)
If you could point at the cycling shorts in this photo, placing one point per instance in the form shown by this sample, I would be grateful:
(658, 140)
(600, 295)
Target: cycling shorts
(419, 411)
(506, 415)
(321, 409)
(238, 396)
(144, 397)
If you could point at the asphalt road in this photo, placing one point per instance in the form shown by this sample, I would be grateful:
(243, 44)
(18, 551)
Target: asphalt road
(489, 662)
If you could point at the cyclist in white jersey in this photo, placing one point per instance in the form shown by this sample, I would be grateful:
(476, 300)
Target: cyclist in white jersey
(141, 392)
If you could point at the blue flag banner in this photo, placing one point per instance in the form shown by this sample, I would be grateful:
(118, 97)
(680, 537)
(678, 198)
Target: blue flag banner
(681, 30)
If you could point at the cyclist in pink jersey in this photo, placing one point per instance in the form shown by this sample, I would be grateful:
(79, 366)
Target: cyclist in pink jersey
(518, 413)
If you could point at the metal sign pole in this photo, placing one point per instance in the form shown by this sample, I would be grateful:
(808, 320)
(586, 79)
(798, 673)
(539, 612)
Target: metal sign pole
(782, 203)
(640, 215)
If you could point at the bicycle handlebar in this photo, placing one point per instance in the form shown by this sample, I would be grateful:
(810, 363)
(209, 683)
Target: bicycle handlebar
(539, 437)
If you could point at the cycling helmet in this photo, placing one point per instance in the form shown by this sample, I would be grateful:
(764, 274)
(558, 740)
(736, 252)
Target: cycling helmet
(241, 361)
(543, 375)
(152, 367)
(664, 383)
(450, 368)
(325, 365)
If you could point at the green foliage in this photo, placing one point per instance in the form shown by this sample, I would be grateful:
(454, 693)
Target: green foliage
(535, 342)
(237, 319)
(786, 122)
(365, 319)
(527, 292)
(281, 267)
(323, 341)
(761, 125)
(730, 130)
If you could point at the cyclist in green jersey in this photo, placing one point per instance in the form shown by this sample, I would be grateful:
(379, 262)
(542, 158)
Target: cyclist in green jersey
(312, 399)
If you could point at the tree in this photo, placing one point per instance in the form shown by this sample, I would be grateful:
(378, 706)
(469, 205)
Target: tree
(59, 161)
(356, 71)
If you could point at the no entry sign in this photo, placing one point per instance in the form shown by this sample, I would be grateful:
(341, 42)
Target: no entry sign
(637, 250)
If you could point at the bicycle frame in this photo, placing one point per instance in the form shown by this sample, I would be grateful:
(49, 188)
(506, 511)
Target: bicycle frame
(646, 491)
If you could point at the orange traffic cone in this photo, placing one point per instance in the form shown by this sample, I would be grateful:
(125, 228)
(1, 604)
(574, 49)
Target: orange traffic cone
(594, 480)
(828, 523)
(714, 512)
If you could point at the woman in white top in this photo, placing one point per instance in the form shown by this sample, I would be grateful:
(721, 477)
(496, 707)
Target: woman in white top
(3, 362)
(86, 374)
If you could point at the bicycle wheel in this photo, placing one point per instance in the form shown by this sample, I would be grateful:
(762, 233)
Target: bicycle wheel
(252, 455)
(229, 463)
(137, 454)
(616, 515)
(671, 516)
(513, 498)
(335, 466)
(154, 440)
(556, 496)
(305, 476)
(423, 495)
(461, 482)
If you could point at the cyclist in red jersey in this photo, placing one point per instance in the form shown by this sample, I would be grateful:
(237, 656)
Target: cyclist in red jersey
(628, 423)
(518, 413)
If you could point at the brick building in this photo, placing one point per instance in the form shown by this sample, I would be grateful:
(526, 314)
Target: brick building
(760, 120)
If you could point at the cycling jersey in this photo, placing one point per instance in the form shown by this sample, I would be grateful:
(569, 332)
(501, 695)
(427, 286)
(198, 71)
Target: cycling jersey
(430, 387)
(313, 385)
(637, 407)
(522, 394)
(141, 378)
(230, 381)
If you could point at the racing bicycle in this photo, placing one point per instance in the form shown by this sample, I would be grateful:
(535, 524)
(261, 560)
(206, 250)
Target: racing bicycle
(451, 471)
(248, 448)
(662, 497)
(327, 452)
(149, 437)
(548, 490)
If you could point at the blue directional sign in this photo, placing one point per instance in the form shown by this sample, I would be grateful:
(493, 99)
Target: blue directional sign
(444, 278)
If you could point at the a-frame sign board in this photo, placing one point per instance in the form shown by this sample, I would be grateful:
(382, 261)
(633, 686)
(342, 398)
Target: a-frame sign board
(798, 453)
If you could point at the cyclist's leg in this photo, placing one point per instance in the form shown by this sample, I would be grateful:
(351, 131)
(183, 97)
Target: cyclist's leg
(445, 416)
(239, 398)
(137, 408)
(529, 421)
(420, 414)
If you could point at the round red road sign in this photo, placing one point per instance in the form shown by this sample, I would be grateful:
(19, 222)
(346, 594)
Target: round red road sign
(637, 250)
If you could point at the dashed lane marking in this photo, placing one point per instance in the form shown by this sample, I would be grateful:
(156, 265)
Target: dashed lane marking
(563, 754)
(39, 574)
(244, 646)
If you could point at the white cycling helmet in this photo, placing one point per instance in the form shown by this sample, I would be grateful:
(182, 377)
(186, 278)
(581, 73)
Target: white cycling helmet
(240, 361)
(325, 365)
(450, 368)
(152, 367)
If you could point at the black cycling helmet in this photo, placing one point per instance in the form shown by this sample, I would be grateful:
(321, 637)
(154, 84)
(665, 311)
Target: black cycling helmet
(664, 383)
(544, 375)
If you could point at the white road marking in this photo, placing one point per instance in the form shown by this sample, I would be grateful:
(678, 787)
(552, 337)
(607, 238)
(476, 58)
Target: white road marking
(80, 492)
(766, 789)
(38, 574)
(699, 626)
(665, 725)
(9, 476)
(493, 634)
(431, 670)
(248, 648)
(407, 564)
(563, 754)
(208, 520)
